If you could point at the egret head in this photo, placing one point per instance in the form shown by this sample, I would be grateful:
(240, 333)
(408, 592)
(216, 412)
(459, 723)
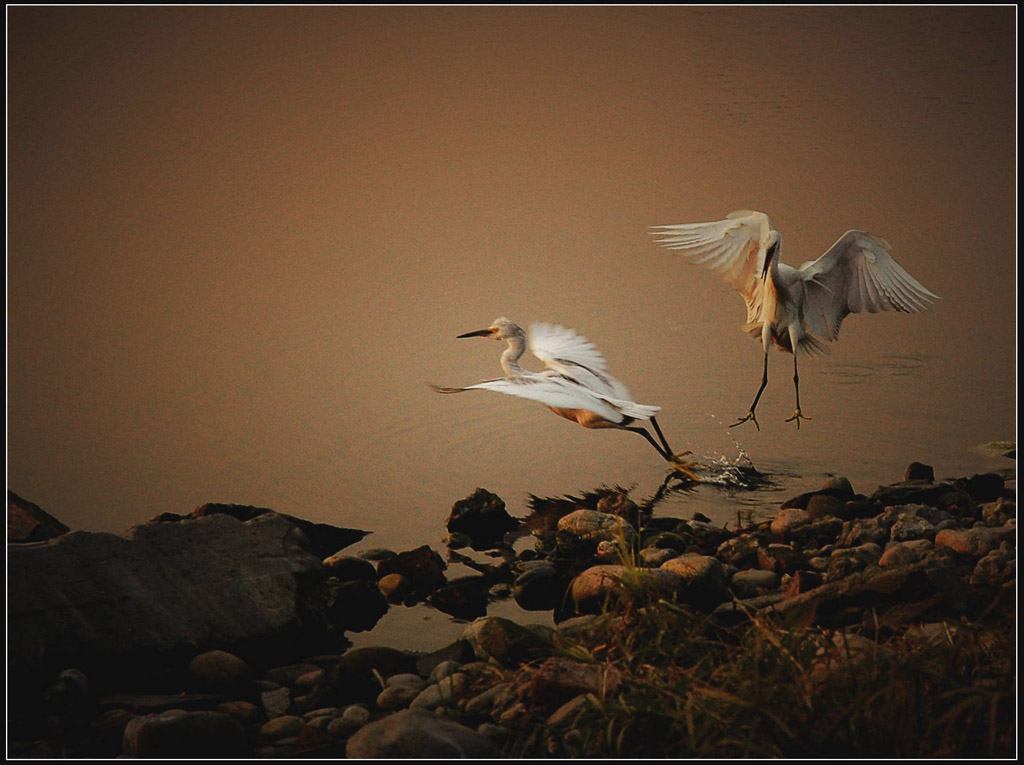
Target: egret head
(500, 329)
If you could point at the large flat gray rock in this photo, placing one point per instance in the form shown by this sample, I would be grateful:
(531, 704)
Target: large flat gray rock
(207, 582)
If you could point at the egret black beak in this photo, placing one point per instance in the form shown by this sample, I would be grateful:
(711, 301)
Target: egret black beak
(767, 264)
(479, 333)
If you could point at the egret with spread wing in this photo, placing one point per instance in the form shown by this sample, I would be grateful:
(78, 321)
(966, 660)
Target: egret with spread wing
(576, 384)
(796, 308)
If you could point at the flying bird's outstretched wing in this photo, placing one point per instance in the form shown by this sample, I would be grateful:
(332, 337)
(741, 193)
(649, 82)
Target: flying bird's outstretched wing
(735, 247)
(567, 353)
(560, 394)
(857, 273)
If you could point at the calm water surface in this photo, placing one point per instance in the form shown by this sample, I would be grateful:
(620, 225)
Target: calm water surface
(241, 242)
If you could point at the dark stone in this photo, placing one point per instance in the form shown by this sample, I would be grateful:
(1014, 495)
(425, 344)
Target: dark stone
(986, 487)
(355, 605)
(352, 680)
(124, 607)
(417, 734)
(422, 567)
(223, 673)
(539, 588)
(27, 522)
(350, 568)
(482, 517)
(325, 540)
(463, 598)
(945, 496)
(506, 642)
(180, 734)
(917, 471)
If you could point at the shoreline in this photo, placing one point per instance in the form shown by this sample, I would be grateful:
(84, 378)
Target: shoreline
(914, 553)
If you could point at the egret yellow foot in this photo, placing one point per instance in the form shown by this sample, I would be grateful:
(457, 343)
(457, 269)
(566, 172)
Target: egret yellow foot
(684, 466)
(797, 416)
(748, 417)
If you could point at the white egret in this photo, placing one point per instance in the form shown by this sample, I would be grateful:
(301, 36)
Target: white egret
(796, 308)
(576, 384)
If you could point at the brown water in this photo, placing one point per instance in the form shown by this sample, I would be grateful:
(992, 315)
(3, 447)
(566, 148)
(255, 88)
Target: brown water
(242, 240)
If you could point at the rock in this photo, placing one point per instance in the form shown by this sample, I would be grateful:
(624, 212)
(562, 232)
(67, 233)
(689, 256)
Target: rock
(289, 674)
(863, 531)
(917, 471)
(249, 714)
(107, 733)
(418, 734)
(828, 506)
(445, 692)
(483, 703)
(785, 520)
(27, 522)
(654, 557)
(350, 568)
(88, 595)
(463, 598)
(355, 605)
(376, 554)
(902, 553)
(323, 539)
(847, 560)
(994, 568)
(179, 734)
(281, 727)
(348, 722)
(444, 669)
(618, 503)
(506, 642)
(221, 672)
(999, 512)
(780, 558)
(580, 532)
(395, 588)
(396, 697)
(702, 580)
(945, 496)
(353, 679)
(740, 551)
(277, 702)
(974, 542)
(839, 487)
(986, 487)
(422, 568)
(819, 532)
(483, 518)
(704, 537)
(753, 582)
(559, 678)
(668, 540)
(908, 522)
(539, 588)
(616, 584)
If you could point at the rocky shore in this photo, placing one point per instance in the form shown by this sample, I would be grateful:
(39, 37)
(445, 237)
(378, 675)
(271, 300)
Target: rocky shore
(862, 625)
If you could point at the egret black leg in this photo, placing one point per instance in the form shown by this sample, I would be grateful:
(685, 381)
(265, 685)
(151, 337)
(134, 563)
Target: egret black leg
(797, 414)
(657, 429)
(750, 415)
(665, 455)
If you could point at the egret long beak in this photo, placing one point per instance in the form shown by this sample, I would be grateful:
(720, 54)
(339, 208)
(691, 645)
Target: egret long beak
(479, 333)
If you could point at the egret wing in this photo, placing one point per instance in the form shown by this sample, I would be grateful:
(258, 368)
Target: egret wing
(858, 273)
(735, 247)
(568, 353)
(551, 392)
